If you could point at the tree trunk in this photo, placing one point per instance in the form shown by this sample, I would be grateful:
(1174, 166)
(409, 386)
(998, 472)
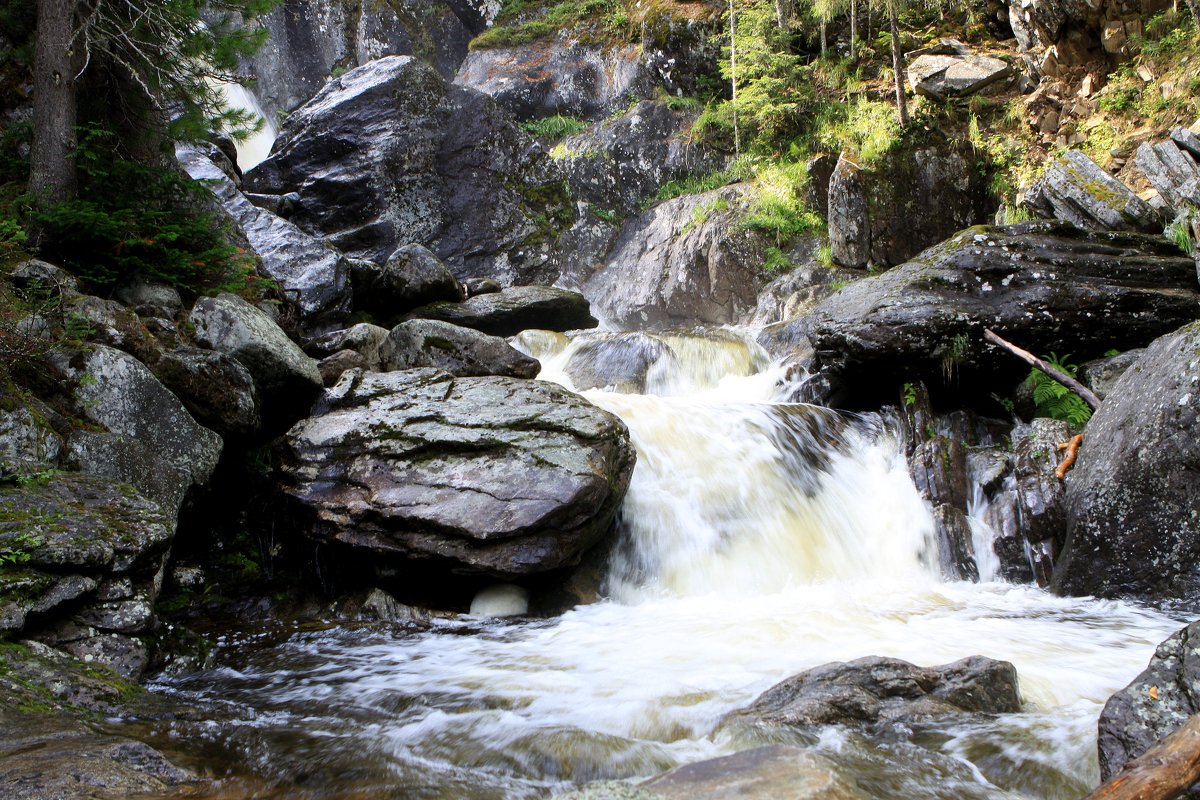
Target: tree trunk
(898, 64)
(52, 158)
(1194, 5)
(737, 139)
(853, 31)
(823, 39)
(1164, 771)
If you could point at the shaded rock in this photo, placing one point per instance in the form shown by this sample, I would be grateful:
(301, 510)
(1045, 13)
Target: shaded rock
(909, 200)
(389, 154)
(150, 299)
(363, 338)
(619, 362)
(27, 440)
(820, 172)
(311, 274)
(944, 76)
(332, 367)
(25, 591)
(82, 524)
(1173, 172)
(498, 475)
(884, 691)
(1043, 285)
(795, 293)
(215, 387)
(1154, 703)
(684, 262)
(41, 276)
(309, 39)
(557, 76)
(454, 349)
(1101, 374)
(1076, 190)
(585, 246)
(287, 379)
(127, 459)
(474, 286)
(1132, 522)
(518, 308)
(621, 162)
(116, 391)
(107, 322)
(412, 277)
(1187, 139)
(764, 773)
(1037, 24)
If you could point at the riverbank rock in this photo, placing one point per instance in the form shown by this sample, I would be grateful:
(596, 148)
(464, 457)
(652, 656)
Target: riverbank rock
(412, 276)
(1132, 523)
(876, 691)
(1045, 286)
(515, 309)
(287, 380)
(619, 362)
(50, 746)
(451, 348)
(1076, 190)
(1154, 703)
(311, 273)
(684, 262)
(389, 154)
(496, 475)
(214, 387)
(1173, 172)
(620, 163)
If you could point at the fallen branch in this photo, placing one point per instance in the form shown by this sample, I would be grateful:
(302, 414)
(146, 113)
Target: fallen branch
(1072, 448)
(1057, 374)
(1164, 771)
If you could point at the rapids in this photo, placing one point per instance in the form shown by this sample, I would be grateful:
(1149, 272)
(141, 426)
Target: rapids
(759, 538)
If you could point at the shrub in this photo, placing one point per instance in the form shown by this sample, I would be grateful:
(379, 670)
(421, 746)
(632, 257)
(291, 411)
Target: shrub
(1052, 399)
(555, 127)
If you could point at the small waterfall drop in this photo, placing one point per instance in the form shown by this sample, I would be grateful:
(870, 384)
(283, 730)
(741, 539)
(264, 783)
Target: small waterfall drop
(255, 148)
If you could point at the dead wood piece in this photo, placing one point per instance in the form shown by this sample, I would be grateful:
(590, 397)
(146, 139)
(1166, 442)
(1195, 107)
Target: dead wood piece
(1163, 772)
(1072, 448)
(1029, 358)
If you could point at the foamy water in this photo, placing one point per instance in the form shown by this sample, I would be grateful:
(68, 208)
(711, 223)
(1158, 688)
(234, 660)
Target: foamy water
(759, 539)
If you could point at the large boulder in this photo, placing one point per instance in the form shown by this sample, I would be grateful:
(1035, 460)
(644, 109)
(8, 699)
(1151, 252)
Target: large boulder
(1154, 703)
(139, 415)
(1076, 190)
(910, 199)
(311, 273)
(309, 39)
(684, 262)
(1133, 528)
(215, 387)
(454, 349)
(620, 163)
(1045, 286)
(1173, 171)
(495, 475)
(287, 380)
(518, 308)
(875, 691)
(412, 276)
(941, 77)
(390, 154)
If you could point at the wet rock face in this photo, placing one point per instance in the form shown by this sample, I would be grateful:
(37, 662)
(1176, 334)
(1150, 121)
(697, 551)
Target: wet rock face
(496, 475)
(876, 691)
(1154, 704)
(667, 269)
(390, 154)
(624, 161)
(1133, 528)
(1045, 286)
(459, 351)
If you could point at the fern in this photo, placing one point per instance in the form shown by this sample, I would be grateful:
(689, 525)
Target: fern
(1052, 399)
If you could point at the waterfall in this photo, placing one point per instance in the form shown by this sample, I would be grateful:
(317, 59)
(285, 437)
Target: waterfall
(759, 538)
(255, 148)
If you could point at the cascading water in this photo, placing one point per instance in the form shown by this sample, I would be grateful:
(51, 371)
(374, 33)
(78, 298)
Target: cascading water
(759, 539)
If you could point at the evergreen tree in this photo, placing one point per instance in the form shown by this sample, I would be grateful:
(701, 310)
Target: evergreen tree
(166, 57)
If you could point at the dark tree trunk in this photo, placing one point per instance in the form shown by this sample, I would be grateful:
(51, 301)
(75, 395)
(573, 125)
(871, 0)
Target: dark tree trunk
(51, 161)
(898, 64)
(853, 31)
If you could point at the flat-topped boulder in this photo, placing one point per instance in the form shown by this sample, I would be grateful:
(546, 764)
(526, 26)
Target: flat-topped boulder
(515, 309)
(495, 475)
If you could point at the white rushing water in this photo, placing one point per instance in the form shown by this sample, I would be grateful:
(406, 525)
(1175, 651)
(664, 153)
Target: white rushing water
(253, 149)
(760, 539)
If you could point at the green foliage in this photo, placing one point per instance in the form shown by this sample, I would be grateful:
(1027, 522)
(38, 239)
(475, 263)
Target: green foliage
(695, 184)
(870, 129)
(137, 220)
(15, 549)
(1052, 399)
(779, 207)
(524, 21)
(825, 254)
(776, 261)
(555, 127)
(909, 393)
(606, 214)
(1180, 231)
